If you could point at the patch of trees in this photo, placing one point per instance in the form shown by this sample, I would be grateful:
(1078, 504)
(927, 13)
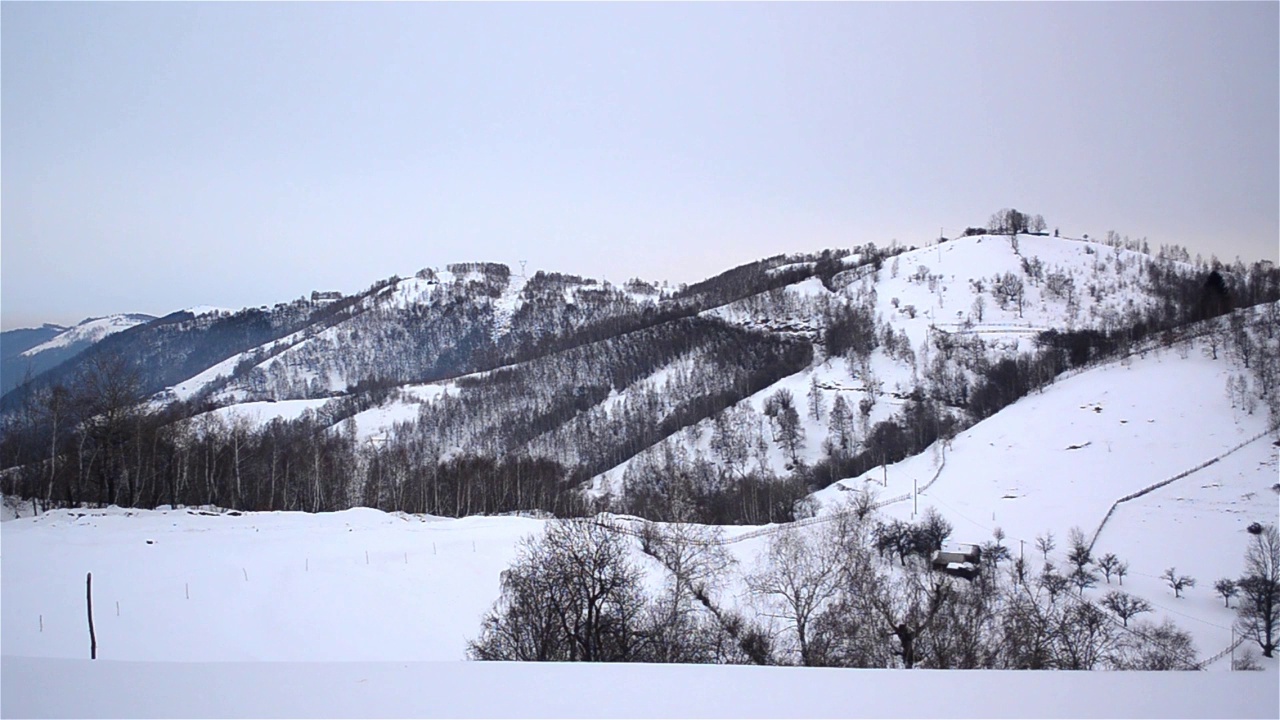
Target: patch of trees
(1011, 222)
(851, 330)
(820, 596)
(921, 423)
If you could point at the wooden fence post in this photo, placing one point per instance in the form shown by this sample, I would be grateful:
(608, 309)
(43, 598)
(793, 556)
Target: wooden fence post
(93, 639)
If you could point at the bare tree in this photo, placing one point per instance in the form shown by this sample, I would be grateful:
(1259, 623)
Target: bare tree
(1226, 587)
(1044, 543)
(1177, 582)
(1083, 578)
(1121, 570)
(1078, 553)
(572, 594)
(696, 561)
(840, 425)
(782, 408)
(1008, 288)
(815, 400)
(796, 581)
(909, 605)
(1108, 564)
(1124, 605)
(107, 394)
(1156, 647)
(1259, 611)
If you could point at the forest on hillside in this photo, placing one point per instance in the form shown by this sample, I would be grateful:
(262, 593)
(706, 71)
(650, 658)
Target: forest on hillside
(574, 389)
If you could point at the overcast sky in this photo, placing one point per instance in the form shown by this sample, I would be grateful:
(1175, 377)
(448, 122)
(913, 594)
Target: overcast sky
(158, 156)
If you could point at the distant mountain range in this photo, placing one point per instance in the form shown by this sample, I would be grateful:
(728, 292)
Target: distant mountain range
(28, 352)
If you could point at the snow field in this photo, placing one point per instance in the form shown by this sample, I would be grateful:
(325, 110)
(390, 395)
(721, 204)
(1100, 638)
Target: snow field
(311, 593)
(34, 687)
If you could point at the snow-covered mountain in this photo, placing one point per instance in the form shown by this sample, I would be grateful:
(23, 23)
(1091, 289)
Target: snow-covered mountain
(744, 392)
(29, 352)
(89, 331)
(1051, 461)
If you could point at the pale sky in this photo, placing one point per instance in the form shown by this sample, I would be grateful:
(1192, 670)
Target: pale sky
(164, 155)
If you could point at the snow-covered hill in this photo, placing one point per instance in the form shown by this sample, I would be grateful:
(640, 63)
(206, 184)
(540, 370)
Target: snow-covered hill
(744, 392)
(30, 352)
(939, 313)
(215, 586)
(89, 331)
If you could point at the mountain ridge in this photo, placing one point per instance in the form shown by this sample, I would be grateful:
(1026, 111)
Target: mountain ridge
(736, 396)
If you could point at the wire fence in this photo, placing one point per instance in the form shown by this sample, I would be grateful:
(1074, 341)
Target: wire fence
(1162, 483)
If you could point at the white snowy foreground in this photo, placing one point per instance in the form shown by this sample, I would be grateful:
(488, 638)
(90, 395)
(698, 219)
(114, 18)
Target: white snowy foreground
(284, 615)
(81, 688)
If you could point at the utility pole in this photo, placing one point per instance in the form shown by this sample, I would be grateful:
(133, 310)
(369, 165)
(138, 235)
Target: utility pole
(915, 498)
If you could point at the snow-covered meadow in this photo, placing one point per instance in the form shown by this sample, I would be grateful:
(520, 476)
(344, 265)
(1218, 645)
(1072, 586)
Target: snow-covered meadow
(361, 614)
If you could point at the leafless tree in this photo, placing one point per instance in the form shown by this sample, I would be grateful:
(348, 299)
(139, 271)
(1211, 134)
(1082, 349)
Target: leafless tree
(1045, 544)
(910, 604)
(572, 594)
(1226, 587)
(1177, 582)
(1259, 611)
(796, 580)
(1108, 564)
(1124, 605)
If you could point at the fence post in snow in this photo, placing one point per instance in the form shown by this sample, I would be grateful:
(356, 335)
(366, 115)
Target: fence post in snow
(88, 598)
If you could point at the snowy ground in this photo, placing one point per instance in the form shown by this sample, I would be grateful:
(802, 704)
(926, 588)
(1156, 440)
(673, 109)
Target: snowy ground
(361, 614)
(38, 688)
(262, 412)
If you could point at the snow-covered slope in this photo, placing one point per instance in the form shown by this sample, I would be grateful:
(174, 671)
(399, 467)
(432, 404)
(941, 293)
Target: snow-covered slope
(1060, 459)
(57, 345)
(89, 331)
(950, 306)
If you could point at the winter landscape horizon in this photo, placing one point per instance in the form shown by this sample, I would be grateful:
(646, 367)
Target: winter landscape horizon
(932, 408)
(640, 360)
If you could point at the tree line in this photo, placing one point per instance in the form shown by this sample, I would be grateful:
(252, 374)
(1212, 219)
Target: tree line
(860, 592)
